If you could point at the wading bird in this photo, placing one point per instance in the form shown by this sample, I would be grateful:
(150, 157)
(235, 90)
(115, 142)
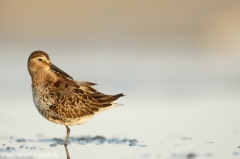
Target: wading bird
(61, 99)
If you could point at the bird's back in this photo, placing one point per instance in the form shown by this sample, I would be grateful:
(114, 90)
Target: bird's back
(76, 102)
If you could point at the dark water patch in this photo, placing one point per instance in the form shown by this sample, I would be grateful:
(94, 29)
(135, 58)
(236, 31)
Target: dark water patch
(191, 156)
(132, 144)
(21, 140)
(33, 148)
(115, 141)
(53, 145)
(97, 140)
(2, 149)
(176, 138)
(10, 149)
(45, 140)
(24, 143)
(208, 155)
(132, 141)
(183, 156)
(26, 147)
(58, 140)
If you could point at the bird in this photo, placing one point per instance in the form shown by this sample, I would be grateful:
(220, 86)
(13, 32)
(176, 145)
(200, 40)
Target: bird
(61, 99)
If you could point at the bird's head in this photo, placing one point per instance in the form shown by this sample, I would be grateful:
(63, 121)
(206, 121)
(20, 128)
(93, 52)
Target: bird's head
(39, 63)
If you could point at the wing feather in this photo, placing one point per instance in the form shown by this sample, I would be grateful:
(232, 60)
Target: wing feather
(78, 99)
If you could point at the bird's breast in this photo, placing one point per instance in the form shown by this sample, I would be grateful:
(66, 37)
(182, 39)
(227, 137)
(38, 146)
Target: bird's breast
(42, 98)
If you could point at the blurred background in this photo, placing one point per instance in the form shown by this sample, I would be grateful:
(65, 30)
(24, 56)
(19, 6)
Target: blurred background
(178, 62)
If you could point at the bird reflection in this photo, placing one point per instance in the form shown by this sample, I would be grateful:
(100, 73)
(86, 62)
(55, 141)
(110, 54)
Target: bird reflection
(98, 140)
(67, 153)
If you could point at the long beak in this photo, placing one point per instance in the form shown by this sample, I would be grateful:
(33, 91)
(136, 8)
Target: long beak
(56, 69)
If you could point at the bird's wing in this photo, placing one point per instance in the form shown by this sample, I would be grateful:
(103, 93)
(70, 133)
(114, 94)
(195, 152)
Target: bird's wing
(103, 99)
(74, 101)
(85, 83)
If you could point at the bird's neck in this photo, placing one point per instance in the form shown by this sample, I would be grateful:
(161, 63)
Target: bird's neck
(42, 77)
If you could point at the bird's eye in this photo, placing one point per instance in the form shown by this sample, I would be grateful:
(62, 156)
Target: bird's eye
(40, 60)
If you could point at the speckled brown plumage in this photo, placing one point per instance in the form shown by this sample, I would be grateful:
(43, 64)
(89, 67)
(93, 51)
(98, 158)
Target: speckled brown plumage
(61, 99)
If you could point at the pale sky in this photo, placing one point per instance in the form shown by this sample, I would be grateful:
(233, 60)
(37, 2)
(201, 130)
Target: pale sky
(203, 23)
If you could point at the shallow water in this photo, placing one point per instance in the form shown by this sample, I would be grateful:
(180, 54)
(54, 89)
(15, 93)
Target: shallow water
(42, 148)
(143, 128)
(187, 108)
(174, 147)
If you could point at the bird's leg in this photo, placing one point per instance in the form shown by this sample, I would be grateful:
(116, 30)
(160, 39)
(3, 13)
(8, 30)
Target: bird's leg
(68, 132)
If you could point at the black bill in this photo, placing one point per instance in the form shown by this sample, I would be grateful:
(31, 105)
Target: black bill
(55, 68)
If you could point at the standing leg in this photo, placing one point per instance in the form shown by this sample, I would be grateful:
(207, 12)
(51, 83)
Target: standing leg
(68, 132)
